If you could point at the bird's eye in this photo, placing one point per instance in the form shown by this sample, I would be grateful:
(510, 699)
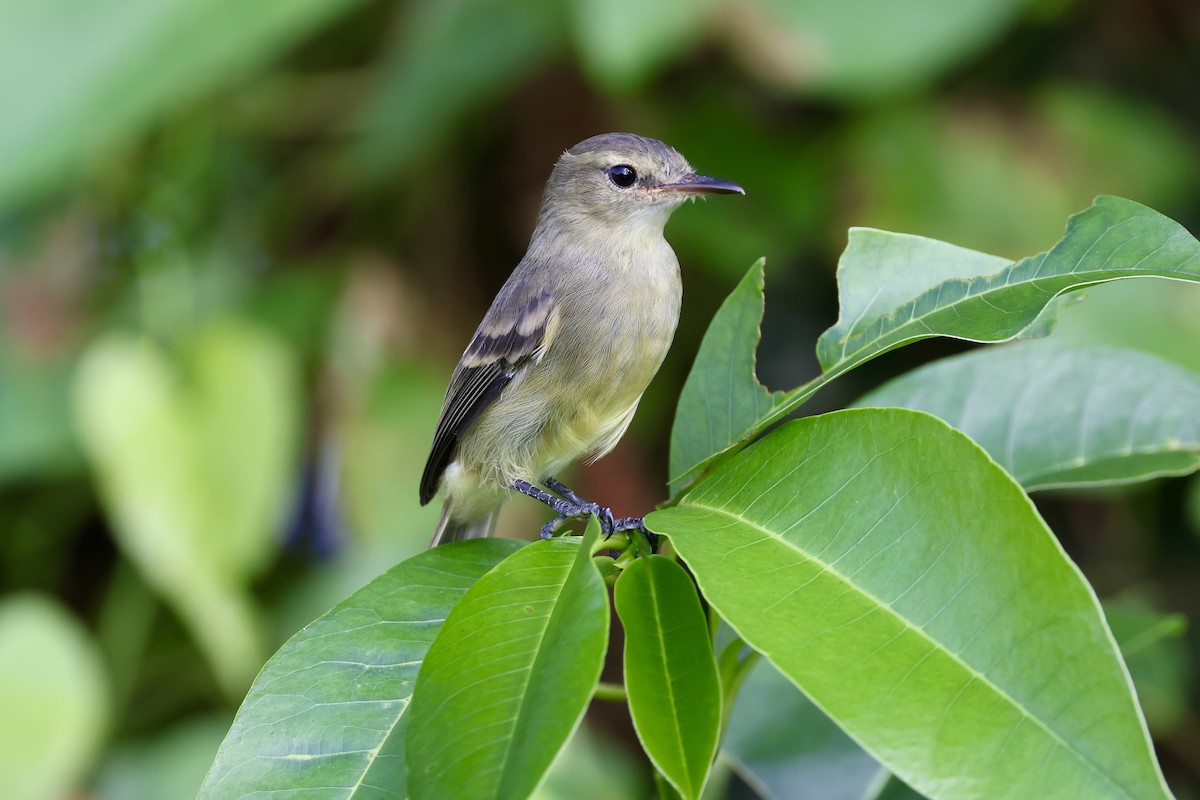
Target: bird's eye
(622, 175)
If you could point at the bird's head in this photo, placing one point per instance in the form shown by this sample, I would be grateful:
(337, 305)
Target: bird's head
(622, 178)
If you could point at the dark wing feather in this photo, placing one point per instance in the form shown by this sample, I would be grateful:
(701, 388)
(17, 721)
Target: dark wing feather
(517, 329)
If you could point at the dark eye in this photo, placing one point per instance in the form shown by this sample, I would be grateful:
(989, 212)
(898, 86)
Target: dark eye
(622, 175)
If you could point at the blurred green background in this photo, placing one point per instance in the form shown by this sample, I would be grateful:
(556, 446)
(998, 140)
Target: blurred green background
(242, 244)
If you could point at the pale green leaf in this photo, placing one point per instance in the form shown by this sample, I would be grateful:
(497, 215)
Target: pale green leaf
(509, 676)
(166, 765)
(1063, 416)
(326, 717)
(194, 466)
(54, 699)
(889, 568)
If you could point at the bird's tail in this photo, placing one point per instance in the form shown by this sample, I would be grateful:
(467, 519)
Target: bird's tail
(449, 530)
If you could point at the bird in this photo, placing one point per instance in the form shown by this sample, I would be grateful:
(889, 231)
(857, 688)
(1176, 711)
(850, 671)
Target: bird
(556, 369)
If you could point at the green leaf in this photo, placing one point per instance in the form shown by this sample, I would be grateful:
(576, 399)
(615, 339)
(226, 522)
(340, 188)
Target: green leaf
(55, 701)
(81, 77)
(213, 445)
(327, 714)
(449, 59)
(722, 397)
(670, 671)
(167, 765)
(1063, 416)
(510, 675)
(623, 42)
(783, 746)
(895, 289)
(889, 568)
(1153, 646)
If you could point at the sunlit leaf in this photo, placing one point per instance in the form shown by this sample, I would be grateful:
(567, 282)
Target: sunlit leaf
(1063, 416)
(328, 712)
(888, 567)
(670, 671)
(896, 288)
(508, 678)
(722, 396)
(55, 702)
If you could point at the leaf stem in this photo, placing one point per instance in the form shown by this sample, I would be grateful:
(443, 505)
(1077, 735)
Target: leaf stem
(610, 691)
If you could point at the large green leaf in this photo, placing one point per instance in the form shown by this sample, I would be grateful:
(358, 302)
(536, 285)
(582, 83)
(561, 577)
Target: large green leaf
(54, 697)
(670, 671)
(510, 675)
(895, 289)
(1063, 416)
(82, 76)
(327, 714)
(194, 471)
(888, 567)
(722, 396)
(780, 743)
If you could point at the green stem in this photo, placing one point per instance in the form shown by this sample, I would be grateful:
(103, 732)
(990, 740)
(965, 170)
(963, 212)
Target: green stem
(614, 692)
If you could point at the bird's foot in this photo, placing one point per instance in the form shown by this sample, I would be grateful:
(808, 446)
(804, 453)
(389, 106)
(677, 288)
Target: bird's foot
(608, 523)
(570, 506)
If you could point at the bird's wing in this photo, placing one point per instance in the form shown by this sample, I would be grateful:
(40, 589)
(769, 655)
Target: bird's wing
(517, 331)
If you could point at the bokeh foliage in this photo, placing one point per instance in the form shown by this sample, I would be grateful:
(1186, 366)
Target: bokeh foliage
(241, 244)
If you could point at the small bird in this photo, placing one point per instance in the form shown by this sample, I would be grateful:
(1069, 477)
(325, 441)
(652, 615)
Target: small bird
(556, 369)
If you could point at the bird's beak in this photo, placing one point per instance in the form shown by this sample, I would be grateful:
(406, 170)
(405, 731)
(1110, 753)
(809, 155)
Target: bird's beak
(702, 184)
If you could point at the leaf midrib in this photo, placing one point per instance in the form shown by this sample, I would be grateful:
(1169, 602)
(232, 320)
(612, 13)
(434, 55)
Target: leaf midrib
(982, 677)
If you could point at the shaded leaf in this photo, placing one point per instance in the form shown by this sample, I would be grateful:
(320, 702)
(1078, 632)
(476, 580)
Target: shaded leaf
(1157, 655)
(327, 714)
(448, 59)
(511, 673)
(69, 98)
(1063, 416)
(670, 670)
(787, 749)
(888, 567)
(55, 701)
